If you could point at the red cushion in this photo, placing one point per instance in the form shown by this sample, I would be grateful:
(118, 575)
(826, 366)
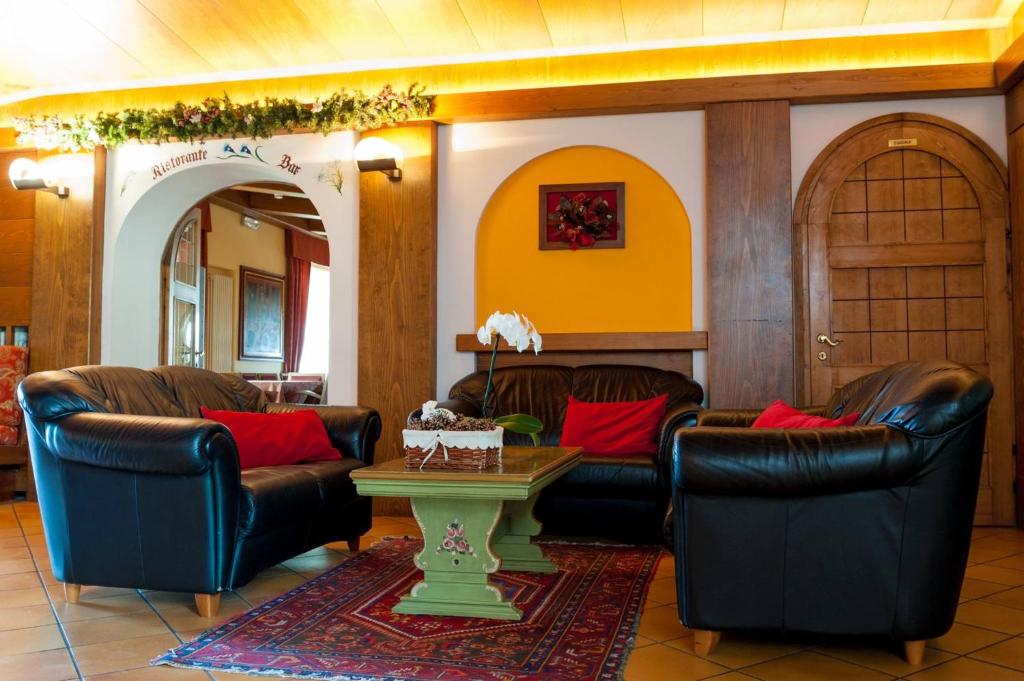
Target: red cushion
(781, 415)
(614, 428)
(276, 439)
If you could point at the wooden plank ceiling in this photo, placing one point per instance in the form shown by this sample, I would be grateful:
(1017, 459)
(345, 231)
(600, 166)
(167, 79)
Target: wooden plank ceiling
(55, 46)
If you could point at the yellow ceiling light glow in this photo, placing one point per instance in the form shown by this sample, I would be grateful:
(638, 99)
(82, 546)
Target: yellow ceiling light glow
(149, 53)
(404, 63)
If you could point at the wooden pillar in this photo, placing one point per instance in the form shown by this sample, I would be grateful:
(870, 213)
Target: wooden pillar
(749, 254)
(398, 289)
(1015, 161)
(65, 308)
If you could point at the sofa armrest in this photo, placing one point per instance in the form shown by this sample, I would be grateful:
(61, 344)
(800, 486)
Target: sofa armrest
(727, 418)
(773, 462)
(683, 415)
(353, 430)
(156, 445)
(741, 418)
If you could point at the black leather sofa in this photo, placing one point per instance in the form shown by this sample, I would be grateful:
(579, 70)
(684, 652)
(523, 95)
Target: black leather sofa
(621, 498)
(853, 531)
(136, 491)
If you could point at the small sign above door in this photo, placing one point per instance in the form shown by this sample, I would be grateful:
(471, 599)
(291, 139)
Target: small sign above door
(904, 142)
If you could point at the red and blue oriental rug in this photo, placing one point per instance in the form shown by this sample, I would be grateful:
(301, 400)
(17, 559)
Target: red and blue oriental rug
(578, 624)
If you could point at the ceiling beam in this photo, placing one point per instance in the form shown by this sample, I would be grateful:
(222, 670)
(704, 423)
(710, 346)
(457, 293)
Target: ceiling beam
(272, 188)
(237, 202)
(902, 82)
(287, 206)
(1009, 66)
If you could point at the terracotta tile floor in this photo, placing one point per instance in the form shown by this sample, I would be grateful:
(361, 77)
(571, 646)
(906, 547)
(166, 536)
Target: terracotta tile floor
(112, 633)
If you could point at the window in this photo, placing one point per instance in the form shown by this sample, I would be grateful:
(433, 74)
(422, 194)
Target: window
(317, 335)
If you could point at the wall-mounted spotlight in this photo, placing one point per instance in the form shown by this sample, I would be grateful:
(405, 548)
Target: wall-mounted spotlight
(250, 222)
(374, 153)
(25, 173)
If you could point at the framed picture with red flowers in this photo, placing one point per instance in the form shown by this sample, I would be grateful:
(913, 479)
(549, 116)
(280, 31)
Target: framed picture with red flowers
(580, 216)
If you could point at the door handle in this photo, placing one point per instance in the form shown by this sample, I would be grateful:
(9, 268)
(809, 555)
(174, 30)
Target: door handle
(822, 338)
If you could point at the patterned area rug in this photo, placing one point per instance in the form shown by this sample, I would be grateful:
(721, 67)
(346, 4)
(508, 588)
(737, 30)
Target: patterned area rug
(578, 624)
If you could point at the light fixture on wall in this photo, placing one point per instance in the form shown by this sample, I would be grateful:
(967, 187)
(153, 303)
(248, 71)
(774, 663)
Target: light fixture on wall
(250, 222)
(374, 153)
(25, 173)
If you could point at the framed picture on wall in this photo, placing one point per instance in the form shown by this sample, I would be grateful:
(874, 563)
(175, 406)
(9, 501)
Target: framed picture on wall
(260, 315)
(575, 216)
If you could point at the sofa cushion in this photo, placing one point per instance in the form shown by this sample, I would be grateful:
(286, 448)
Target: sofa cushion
(277, 496)
(778, 414)
(8, 435)
(614, 428)
(194, 388)
(543, 391)
(921, 398)
(10, 412)
(276, 439)
(604, 477)
(15, 358)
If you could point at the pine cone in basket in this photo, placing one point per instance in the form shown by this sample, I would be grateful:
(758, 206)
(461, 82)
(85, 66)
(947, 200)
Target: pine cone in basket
(460, 423)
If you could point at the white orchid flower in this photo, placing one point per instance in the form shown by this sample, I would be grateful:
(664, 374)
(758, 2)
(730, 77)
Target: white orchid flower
(517, 330)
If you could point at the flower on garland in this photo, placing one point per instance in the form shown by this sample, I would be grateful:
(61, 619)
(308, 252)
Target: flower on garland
(221, 117)
(581, 221)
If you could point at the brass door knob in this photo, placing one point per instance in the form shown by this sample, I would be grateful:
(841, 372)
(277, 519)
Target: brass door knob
(822, 338)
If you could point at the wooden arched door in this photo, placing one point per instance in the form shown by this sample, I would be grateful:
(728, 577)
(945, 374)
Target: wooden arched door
(901, 240)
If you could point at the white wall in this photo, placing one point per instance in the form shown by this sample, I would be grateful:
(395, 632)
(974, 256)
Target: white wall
(474, 158)
(814, 126)
(143, 207)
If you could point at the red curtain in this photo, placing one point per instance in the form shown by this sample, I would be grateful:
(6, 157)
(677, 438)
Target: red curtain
(301, 251)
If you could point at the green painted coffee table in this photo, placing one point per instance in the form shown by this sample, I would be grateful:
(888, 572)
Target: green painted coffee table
(474, 523)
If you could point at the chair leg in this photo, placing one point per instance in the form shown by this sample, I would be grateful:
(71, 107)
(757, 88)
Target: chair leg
(704, 641)
(914, 651)
(353, 545)
(72, 592)
(207, 605)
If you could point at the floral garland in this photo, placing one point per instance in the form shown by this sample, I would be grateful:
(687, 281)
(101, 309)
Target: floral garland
(221, 117)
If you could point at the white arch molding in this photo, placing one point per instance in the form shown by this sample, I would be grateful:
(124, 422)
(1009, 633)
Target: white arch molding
(143, 207)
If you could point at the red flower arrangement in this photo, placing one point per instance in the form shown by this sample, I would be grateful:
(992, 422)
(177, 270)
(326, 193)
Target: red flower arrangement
(582, 215)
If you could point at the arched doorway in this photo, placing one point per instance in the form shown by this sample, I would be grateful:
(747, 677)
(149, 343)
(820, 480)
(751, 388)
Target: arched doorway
(145, 204)
(901, 242)
(241, 272)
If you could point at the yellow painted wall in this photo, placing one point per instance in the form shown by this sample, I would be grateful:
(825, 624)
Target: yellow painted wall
(645, 286)
(229, 246)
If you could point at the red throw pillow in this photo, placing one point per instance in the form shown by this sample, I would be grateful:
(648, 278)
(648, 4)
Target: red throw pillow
(614, 428)
(276, 439)
(781, 415)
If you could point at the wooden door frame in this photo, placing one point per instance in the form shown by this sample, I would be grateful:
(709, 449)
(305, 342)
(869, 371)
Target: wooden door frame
(988, 177)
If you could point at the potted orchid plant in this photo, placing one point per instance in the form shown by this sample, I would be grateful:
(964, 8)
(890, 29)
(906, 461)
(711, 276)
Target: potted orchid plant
(436, 437)
(518, 331)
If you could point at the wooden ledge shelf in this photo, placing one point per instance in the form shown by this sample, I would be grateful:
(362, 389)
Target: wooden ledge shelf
(600, 342)
(672, 351)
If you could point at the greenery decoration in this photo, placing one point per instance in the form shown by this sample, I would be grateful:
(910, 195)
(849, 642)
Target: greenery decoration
(221, 117)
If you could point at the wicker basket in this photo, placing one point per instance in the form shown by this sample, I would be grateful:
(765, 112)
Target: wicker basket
(448, 450)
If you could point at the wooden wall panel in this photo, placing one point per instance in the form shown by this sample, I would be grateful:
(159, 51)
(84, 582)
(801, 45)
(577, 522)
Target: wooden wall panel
(63, 257)
(398, 290)
(17, 214)
(749, 254)
(1015, 161)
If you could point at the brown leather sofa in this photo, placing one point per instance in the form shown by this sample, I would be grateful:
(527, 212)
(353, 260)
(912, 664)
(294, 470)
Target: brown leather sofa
(137, 491)
(848, 531)
(622, 498)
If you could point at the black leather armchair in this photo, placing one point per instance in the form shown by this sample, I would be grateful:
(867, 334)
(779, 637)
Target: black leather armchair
(861, 531)
(136, 491)
(622, 498)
